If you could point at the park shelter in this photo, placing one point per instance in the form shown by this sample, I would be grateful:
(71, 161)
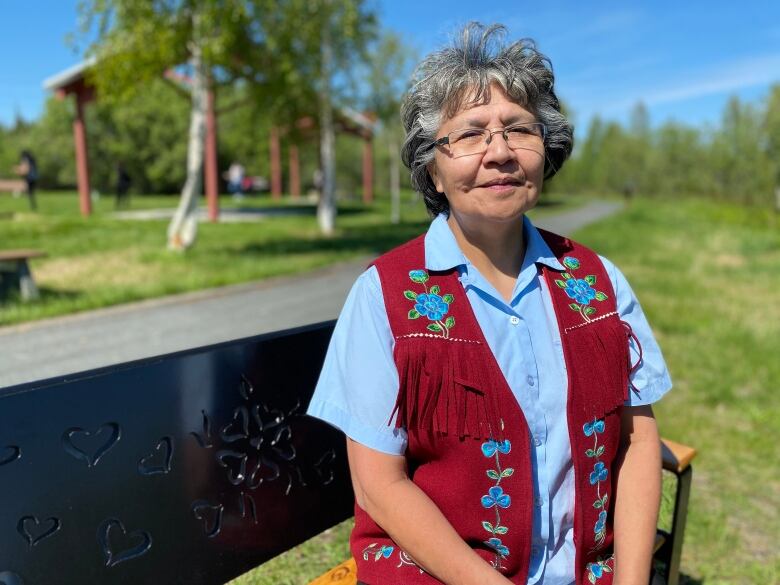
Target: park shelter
(73, 81)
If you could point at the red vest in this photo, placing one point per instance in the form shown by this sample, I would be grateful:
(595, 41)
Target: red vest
(469, 443)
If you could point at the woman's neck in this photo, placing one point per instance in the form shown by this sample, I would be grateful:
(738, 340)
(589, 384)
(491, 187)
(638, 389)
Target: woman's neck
(495, 249)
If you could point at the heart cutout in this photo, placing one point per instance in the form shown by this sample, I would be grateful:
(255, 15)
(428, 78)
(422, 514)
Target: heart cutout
(245, 388)
(117, 543)
(91, 455)
(211, 516)
(235, 463)
(9, 454)
(34, 530)
(239, 427)
(8, 578)
(159, 461)
(204, 439)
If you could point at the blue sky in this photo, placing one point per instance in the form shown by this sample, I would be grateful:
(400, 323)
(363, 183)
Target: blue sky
(682, 59)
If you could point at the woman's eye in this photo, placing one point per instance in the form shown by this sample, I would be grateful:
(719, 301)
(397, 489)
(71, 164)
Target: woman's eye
(469, 135)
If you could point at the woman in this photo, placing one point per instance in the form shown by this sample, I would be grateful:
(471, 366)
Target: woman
(482, 371)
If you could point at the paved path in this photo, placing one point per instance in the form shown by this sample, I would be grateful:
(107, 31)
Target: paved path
(75, 343)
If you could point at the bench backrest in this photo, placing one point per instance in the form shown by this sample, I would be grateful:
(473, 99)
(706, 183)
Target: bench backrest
(187, 468)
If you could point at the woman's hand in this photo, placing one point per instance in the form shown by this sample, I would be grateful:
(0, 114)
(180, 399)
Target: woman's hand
(638, 495)
(383, 489)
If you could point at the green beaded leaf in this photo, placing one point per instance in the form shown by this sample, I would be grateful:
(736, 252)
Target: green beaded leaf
(501, 530)
(450, 322)
(492, 474)
(589, 310)
(590, 453)
(435, 289)
(592, 578)
(600, 296)
(434, 327)
(378, 555)
(410, 294)
(566, 275)
(574, 307)
(591, 279)
(413, 314)
(487, 526)
(507, 472)
(560, 283)
(448, 298)
(598, 504)
(600, 451)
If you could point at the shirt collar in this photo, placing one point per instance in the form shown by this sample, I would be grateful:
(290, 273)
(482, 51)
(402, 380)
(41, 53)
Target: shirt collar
(442, 251)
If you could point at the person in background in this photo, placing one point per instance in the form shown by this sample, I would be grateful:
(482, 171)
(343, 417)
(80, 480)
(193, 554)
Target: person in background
(28, 170)
(494, 380)
(123, 182)
(235, 180)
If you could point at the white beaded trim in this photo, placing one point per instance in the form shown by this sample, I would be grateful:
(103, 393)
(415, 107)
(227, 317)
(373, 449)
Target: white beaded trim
(591, 321)
(437, 337)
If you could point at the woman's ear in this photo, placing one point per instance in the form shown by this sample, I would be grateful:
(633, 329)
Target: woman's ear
(433, 173)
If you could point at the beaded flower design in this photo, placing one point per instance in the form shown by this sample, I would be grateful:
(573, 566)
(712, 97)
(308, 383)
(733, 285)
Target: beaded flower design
(496, 498)
(597, 477)
(430, 304)
(596, 570)
(580, 290)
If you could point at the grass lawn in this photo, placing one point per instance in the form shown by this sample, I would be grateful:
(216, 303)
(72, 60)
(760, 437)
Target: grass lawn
(707, 275)
(103, 261)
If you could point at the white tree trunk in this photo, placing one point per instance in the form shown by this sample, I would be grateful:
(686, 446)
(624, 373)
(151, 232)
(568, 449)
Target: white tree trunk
(184, 226)
(326, 209)
(395, 182)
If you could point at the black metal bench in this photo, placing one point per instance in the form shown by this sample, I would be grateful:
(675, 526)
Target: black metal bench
(193, 467)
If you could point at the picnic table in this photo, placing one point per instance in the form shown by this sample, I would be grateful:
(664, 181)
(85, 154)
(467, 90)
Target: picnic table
(15, 273)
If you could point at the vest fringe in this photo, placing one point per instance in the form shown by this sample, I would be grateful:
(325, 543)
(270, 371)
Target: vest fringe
(449, 400)
(609, 357)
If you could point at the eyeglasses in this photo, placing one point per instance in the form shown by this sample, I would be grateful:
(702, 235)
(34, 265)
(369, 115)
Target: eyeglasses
(476, 140)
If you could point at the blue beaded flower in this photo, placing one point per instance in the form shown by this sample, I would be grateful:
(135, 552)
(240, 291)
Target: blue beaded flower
(496, 497)
(599, 473)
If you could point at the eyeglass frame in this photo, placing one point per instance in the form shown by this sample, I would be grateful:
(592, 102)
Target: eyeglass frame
(445, 140)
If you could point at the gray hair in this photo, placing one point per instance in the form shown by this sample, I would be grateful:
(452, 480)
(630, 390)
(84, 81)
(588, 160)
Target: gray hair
(466, 70)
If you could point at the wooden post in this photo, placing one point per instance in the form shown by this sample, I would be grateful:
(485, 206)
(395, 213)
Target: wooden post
(210, 170)
(295, 173)
(82, 162)
(276, 164)
(368, 171)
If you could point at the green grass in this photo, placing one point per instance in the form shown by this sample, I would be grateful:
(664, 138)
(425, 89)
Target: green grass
(707, 275)
(101, 261)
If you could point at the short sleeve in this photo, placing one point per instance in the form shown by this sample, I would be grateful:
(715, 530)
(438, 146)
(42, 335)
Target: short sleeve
(651, 378)
(358, 384)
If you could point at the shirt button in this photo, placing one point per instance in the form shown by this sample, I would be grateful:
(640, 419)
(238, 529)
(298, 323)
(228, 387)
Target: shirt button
(537, 441)
(530, 380)
(538, 502)
(514, 319)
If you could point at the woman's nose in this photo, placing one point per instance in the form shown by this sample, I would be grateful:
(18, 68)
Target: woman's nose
(497, 149)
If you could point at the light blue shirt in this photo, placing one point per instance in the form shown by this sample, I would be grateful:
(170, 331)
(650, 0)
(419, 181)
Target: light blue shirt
(358, 384)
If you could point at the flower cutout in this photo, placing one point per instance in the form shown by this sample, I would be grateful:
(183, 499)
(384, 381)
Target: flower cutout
(601, 523)
(499, 546)
(571, 263)
(490, 447)
(496, 497)
(597, 426)
(599, 473)
(579, 290)
(431, 305)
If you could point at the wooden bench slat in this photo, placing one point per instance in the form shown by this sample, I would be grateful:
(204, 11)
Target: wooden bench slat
(343, 574)
(10, 255)
(676, 457)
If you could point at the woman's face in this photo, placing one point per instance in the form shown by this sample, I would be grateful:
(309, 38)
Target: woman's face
(498, 185)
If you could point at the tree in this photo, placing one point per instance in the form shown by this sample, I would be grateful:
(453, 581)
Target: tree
(389, 70)
(267, 43)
